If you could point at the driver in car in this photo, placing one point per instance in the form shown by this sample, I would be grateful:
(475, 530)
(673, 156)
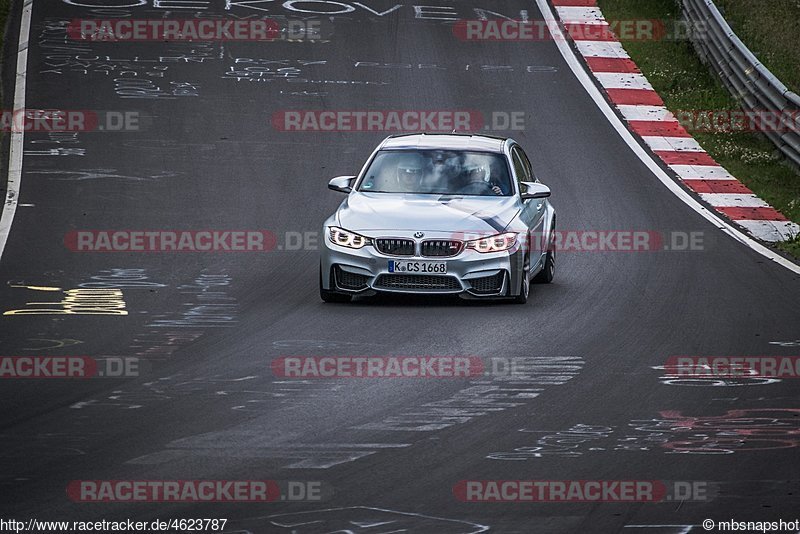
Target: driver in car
(477, 182)
(409, 173)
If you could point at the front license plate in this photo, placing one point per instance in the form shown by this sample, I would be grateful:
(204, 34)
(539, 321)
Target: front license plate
(418, 267)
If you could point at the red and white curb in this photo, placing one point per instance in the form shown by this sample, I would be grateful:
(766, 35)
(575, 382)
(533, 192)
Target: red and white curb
(644, 112)
(18, 134)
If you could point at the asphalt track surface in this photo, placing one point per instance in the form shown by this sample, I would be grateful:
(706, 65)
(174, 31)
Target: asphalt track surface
(595, 406)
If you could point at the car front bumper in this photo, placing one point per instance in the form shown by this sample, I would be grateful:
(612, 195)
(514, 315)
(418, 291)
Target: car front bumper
(470, 274)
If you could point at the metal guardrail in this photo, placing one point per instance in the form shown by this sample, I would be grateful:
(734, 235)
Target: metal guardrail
(750, 82)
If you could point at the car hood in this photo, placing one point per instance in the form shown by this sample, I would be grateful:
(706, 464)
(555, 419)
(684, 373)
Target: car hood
(415, 212)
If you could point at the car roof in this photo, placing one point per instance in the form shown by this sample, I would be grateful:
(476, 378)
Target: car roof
(478, 143)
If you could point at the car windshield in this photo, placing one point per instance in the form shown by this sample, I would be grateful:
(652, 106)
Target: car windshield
(444, 172)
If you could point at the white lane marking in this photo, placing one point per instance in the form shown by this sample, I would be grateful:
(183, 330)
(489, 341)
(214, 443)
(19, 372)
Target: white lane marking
(733, 200)
(298, 456)
(686, 528)
(582, 15)
(646, 113)
(476, 528)
(622, 80)
(702, 172)
(17, 137)
(607, 49)
(673, 144)
(771, 230)
(594, 93)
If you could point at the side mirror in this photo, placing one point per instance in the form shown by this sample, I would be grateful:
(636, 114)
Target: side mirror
(343, 184)
(531, 190)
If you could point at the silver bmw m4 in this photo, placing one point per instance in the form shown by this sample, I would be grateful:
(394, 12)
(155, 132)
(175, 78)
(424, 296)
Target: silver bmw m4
(440, 214)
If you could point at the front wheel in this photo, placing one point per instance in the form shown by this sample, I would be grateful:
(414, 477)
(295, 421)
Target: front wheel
(548, 272)
(331, 296)
(525, 284)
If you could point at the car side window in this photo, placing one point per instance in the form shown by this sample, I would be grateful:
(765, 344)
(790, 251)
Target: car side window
(527, 164)
(523, 173)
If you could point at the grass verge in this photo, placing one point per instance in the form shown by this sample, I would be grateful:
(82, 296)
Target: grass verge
(685, 83)
(770, 30)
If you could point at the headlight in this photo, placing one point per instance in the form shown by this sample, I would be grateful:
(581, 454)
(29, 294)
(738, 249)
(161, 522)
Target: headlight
(495, 243)
(342, 237)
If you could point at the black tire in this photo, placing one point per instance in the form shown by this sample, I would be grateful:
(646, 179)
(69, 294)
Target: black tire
(548, 272)
(524, 284)
(331, 296)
